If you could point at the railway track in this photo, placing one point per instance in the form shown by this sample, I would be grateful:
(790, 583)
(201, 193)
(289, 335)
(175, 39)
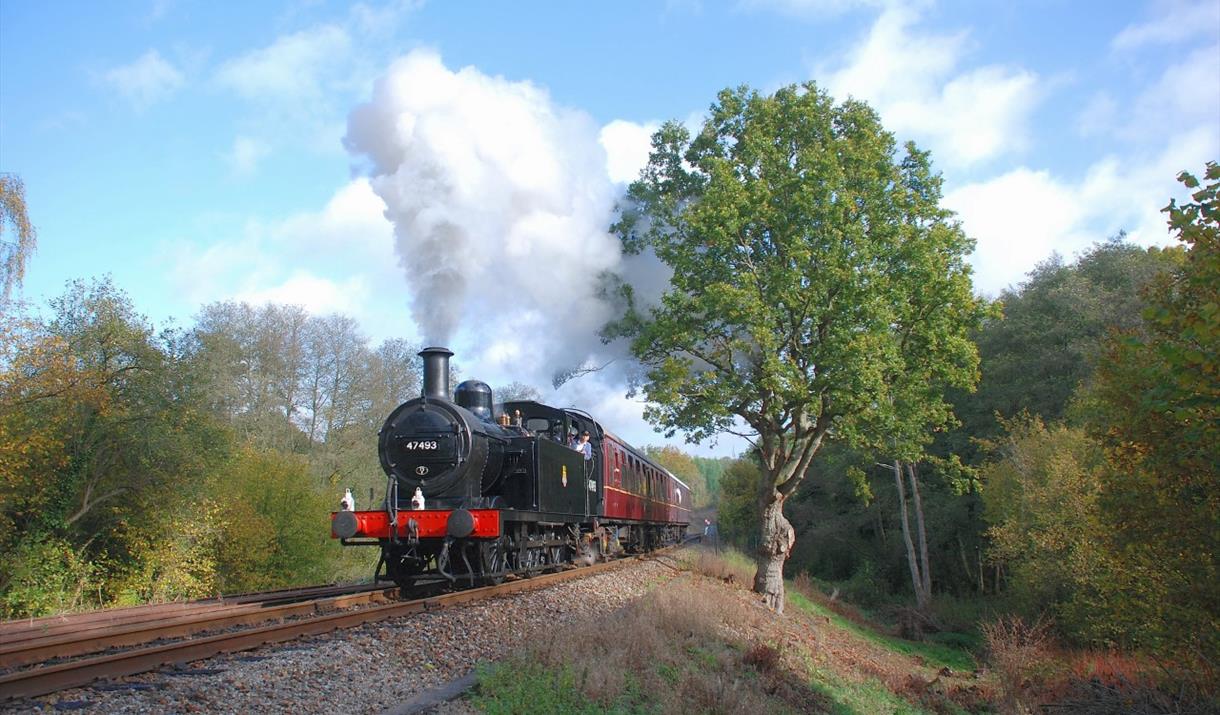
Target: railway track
(35, 667)
(62, 640)
(19, 630)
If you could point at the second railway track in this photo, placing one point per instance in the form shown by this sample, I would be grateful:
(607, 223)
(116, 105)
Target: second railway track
(295, 620)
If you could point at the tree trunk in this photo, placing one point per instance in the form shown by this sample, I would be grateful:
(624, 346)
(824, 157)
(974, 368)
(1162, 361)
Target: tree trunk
(961, 549)
(925, 570)
(921, 599)
(773, 549)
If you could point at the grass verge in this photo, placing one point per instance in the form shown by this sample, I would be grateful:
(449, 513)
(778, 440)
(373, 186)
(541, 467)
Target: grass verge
(690, 646)
(938, 655)
(703, 643)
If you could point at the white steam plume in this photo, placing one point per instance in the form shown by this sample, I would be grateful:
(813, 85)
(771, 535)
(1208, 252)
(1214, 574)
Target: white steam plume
(500, 202)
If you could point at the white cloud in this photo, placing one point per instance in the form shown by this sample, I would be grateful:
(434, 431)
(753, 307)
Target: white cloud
(1020, 217)
(373, 19)
(1174, 22)
(353, 220)
(912, 78)
(159, 9)
(294, 67)
(316, 294)
(1187, 94)
(246, 154)
(335, 259)
(145, 81)
(627, 145)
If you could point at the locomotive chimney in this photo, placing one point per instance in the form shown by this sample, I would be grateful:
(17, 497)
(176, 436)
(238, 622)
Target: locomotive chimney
(436, 372)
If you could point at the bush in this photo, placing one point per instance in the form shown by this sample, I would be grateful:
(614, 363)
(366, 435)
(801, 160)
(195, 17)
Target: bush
(44, 575)
(178, 562)
(865, 588)
(1021, 655)
(273, 522)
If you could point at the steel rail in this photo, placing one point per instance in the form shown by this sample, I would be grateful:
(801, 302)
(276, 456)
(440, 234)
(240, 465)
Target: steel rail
(48, 679)
(103, 637)
(48, 625)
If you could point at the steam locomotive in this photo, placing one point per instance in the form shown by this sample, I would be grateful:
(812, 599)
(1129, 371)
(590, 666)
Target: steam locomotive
(477, 492)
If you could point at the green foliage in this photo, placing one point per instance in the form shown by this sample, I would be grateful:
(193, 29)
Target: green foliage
(1050, 341)
(176, 561)
(1156, 409)
(712, 469)
(816, 280)
(99, 430)
(682, 466)
(137, 466)
(273, 522)
(1052, 333)
(42, 575)
(18, 245)
(1042, 497)
(739, 511)
(816, 284)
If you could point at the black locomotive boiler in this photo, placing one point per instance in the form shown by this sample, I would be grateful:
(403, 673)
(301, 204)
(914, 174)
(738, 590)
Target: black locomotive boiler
(478, 491)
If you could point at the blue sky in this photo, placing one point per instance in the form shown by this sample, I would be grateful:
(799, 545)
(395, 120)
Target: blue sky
(196, 151)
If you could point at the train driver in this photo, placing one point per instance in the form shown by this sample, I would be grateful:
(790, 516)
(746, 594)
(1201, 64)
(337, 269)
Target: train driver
(582, 445)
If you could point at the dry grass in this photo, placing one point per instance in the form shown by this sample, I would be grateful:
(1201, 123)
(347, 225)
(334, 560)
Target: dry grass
(673, 652)
(1023, 659)
(703, 642)
(731, 567)
(1092, 682)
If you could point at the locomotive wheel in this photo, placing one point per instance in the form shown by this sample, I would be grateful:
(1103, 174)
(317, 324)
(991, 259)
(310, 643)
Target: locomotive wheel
(493, 557)
(555, 557)
(531, 560)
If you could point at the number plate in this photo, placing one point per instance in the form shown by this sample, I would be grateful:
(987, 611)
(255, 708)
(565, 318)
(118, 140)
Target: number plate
(423, 445)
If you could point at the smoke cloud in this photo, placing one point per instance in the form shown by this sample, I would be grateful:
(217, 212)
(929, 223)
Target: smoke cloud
(500, 202)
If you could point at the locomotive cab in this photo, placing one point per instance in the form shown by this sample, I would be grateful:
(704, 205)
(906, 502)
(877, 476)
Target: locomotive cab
(566, 482)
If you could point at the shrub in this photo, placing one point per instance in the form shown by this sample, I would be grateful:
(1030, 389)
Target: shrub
(1021, 655)
(177, 561)
(44, 575)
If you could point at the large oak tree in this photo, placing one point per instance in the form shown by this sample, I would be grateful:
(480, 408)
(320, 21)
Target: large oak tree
(818, 289)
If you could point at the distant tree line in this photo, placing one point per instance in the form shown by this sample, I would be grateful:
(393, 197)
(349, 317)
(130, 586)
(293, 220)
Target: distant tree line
(138, 464)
